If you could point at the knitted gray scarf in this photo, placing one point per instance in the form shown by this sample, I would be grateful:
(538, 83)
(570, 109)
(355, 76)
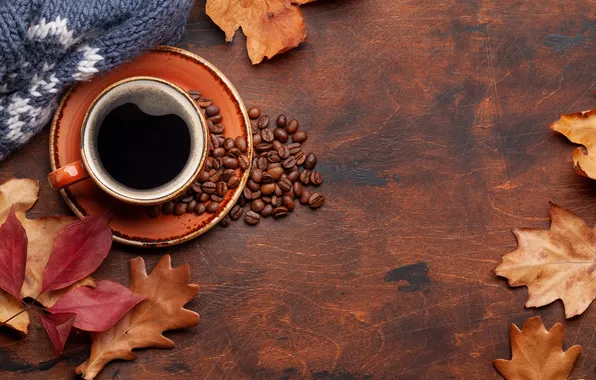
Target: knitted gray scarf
(46, 45)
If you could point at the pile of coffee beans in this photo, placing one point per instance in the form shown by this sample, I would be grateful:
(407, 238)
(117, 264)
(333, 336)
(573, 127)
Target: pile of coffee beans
(279, 172)
(276, 181)
(222, 171)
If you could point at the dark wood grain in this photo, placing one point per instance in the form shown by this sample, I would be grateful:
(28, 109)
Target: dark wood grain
(430, 122)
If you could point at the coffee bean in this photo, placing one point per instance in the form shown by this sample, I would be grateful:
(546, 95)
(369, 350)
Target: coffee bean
(200, 209)
(281, 121)
(253, 186)
(194, 94)
(290, 193)
(209, 187)
(275, 201)
(263, 122)
(288, 203)
(272, 156)
(192, 205)
(216, 128)
(203, 176)
(204, 102)
(212, 110)
(300, 158)
(204, 198)
(266, 199)
(283, 152)
(154, 211)
(221, 140)
(219, 152)
(257, 205)
(247, 193)
(266, 211)
(305, 177)
(236, 212)
(257, 139)
(311, 161)
(252, 218)
(256, 175)
(212, 207)
(217, 163)
(267, 135)
(214, 141)
(267, 178)
(254, 112)
(281, 135)
(294, 148)
(256, 195)
(228, 144)
(180, 209)
(298, 188)
(274, 165)
(233, 182)
(227, 174)
(305, 197)
(208, 165)
(215, 119)
(299, 137)
(225, 221)
(262, 163)
(243, 162)
(294, 175)
(276, 145)
(285, 184)
(268, 189)
(289, 162)
(316, 200)
(221, 189)
(316, 178)
(292, 126)
(230, 163)
(215, 198)
(263, 147)
(276, 173)
(234, 153)
(240, 143)
(215, 176)
(279, 212)
(278, 191)
(241, 200)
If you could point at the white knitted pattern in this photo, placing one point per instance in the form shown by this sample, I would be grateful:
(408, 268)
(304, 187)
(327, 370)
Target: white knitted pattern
(85, 68)
(57, 28)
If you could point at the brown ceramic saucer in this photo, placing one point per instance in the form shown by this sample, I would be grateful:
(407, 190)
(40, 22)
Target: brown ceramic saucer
(130, 224)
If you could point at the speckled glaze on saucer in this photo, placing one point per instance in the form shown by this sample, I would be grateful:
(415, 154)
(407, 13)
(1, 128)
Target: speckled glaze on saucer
(130, 223)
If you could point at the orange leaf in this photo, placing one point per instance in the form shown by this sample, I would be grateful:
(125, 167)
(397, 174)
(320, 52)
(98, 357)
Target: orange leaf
(22, 195)
(556, 264)
(580, 128)
(271, 26)
(537, 354)
(167, 291)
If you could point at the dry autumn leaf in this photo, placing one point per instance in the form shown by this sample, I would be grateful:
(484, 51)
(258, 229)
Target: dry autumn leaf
(271, 26)
(167, 291)
(580, 128)
(537, 354)
(556, 264)
(22, 195)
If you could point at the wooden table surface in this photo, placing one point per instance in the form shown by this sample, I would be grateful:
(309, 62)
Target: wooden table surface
(430, 122)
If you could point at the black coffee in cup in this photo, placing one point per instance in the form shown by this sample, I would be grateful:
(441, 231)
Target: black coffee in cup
(143, 151)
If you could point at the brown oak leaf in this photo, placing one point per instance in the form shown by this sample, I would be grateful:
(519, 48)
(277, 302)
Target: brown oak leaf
(271, 26)
(167, 291)
(22, 195)
(580, 128)
(559, 263)
(537, 354)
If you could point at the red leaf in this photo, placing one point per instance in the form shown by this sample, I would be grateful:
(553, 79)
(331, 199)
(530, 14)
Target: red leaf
(78, 251)
(13, 254)
(97, 309)
(58, 327)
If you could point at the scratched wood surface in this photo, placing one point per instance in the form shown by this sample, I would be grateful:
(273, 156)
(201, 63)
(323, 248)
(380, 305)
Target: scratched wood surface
(430, 120)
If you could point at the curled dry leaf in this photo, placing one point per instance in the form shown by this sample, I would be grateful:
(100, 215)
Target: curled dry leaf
(556, 264)
(167, 291)
(580, 128)
(58, 327)
(271, 26)
(537, 354)
(21, 194)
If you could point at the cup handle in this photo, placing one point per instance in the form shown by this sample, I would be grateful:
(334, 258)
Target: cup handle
(67, 175)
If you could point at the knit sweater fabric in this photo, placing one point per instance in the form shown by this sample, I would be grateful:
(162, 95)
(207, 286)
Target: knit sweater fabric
(46, 45)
